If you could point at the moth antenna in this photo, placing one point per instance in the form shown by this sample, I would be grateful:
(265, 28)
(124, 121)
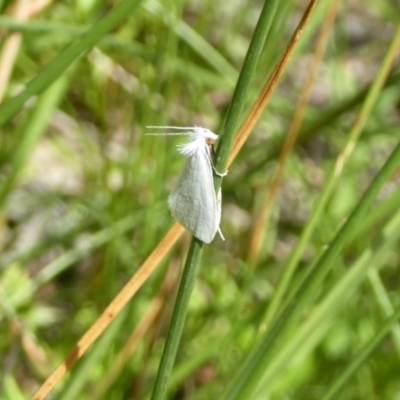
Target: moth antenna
(168, 133)
(172, 127)
(187, 128)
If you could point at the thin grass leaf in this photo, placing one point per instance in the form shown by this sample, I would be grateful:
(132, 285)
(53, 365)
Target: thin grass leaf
(61, 62)
(336, 172)
(253, 369)
(349, 372)
(333, 301)
(30, 133)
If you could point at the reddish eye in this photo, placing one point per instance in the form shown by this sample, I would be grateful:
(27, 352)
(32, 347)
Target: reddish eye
(210, 141)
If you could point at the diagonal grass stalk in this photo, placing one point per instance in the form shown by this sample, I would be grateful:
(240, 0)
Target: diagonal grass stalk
(334, 177)
(258, 362)
(336, 299)
(30, 133)
(361, 357)
(263, 217)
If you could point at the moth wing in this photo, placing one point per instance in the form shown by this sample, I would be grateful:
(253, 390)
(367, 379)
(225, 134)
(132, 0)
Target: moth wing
(193, 202)
(218, 214)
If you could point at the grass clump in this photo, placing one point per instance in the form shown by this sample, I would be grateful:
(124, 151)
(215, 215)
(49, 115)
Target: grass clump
(300, 301)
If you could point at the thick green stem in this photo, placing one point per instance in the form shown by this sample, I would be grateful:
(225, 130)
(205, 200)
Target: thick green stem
(178, 319)
(196, 248)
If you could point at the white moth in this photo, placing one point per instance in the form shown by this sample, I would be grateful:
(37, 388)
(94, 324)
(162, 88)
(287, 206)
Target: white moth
(193, 201)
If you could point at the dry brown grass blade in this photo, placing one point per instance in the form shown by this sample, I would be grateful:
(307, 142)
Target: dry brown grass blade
(32, 349)
(11, 46)
(114, 308)
(21, 11)
(126, 352)
(268, 89)
(37, 6)
(154, 310)
(262, 220)
(176, 231)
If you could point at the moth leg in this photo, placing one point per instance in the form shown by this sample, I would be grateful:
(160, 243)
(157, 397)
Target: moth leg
(219, 173)
(212, 155)
(218, 200)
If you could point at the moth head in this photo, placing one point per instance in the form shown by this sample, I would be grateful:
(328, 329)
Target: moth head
(209, 136)
(198, 137)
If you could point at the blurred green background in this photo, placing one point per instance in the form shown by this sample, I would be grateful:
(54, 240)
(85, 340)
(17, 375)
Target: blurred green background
(83, 196)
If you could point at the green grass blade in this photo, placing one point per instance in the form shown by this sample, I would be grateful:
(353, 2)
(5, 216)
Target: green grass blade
(383, 299)
(178, 319)
(334, 177)
(309, 334)
(197, 42)
(67, 259)
(30, 133)
(253, 368)
(61, 62)
(348, 373)
(242, 87)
